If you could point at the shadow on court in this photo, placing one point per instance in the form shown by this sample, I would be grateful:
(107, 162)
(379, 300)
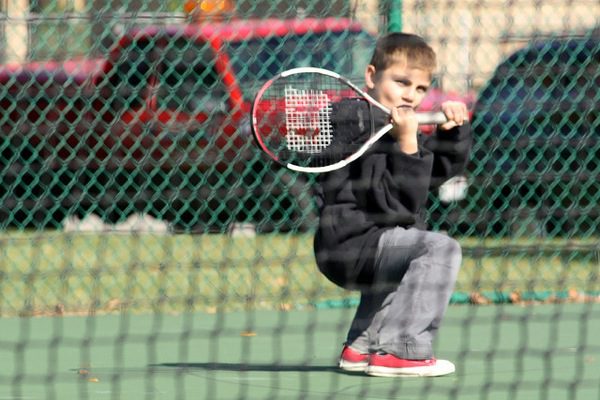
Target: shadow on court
(241, 367)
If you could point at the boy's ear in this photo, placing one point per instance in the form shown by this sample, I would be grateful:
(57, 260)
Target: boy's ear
(370, 76)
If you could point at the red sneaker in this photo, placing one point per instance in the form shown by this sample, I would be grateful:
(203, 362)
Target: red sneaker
(353, 360)
(389, 365)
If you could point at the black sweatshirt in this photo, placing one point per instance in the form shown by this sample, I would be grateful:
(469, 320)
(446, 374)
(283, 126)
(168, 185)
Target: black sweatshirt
(383, 189)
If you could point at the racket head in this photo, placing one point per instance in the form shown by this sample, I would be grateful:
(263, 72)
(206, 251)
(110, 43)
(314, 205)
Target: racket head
(311, 119)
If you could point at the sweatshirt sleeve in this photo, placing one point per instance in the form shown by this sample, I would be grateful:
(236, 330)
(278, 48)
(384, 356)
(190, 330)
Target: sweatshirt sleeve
(397, 184)
(451, 150)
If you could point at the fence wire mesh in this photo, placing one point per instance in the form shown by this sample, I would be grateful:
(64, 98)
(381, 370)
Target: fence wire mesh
(130, 182)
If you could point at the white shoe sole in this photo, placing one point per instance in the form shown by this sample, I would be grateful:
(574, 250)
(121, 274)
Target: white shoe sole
(441, 368)
(353, 366)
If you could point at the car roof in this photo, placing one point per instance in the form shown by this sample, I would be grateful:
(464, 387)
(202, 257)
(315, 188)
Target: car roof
(557, 76)
(240, 30)
(578, 49)
(556, 56)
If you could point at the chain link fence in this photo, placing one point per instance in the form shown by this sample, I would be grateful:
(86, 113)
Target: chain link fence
(130, 182)
(97, 121)
(121, 117)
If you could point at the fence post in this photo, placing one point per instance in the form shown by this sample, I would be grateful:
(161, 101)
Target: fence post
(395, 16)
(16, 30)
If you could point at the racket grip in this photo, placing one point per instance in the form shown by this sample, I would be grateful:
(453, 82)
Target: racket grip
(431, 118)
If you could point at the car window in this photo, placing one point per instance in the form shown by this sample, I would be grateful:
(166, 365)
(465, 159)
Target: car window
(129, 77)
(256, 61)
(549, 88)
(187, 79)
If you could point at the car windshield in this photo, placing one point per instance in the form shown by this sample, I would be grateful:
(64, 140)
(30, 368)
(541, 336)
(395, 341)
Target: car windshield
(548, 88)
(187, 78)
(256, 61)
(183, 73)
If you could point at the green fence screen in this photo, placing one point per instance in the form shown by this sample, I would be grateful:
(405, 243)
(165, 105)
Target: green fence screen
(99, 122)
(130, 182)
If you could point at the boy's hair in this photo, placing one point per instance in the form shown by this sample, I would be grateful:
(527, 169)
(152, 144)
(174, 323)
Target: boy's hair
(397, 46)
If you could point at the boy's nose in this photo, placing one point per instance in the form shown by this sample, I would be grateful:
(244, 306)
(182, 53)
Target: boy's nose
(408, 94)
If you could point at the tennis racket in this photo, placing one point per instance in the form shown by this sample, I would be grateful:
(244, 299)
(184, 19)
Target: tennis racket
(315, 120)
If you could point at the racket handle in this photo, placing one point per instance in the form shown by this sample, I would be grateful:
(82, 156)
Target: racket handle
(431, 118)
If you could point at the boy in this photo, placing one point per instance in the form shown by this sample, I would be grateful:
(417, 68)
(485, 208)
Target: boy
(371, 234)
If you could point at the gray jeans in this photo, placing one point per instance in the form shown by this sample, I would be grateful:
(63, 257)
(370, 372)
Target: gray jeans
(400, 314)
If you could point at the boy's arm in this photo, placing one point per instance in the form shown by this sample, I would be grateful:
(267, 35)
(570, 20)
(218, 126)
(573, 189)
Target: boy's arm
(451, 143)
(451, 150)
(398, 184)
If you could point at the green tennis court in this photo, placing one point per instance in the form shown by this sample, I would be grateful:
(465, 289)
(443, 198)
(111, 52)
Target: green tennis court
(210, 316)
(501, 352)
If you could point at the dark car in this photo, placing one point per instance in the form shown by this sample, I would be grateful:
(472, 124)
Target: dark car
(535, 167)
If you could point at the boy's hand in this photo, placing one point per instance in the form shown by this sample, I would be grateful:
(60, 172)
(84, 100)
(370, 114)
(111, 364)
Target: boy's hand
(456, 112)
(404, 130)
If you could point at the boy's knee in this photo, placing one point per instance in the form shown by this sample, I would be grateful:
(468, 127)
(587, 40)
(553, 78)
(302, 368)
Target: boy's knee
(448, 250)
(454, 246)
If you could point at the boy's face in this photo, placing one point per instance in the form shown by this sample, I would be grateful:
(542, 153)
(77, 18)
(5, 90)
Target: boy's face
(399, 85)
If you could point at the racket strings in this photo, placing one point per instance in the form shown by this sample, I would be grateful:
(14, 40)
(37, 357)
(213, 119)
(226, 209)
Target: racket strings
(308, 120)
